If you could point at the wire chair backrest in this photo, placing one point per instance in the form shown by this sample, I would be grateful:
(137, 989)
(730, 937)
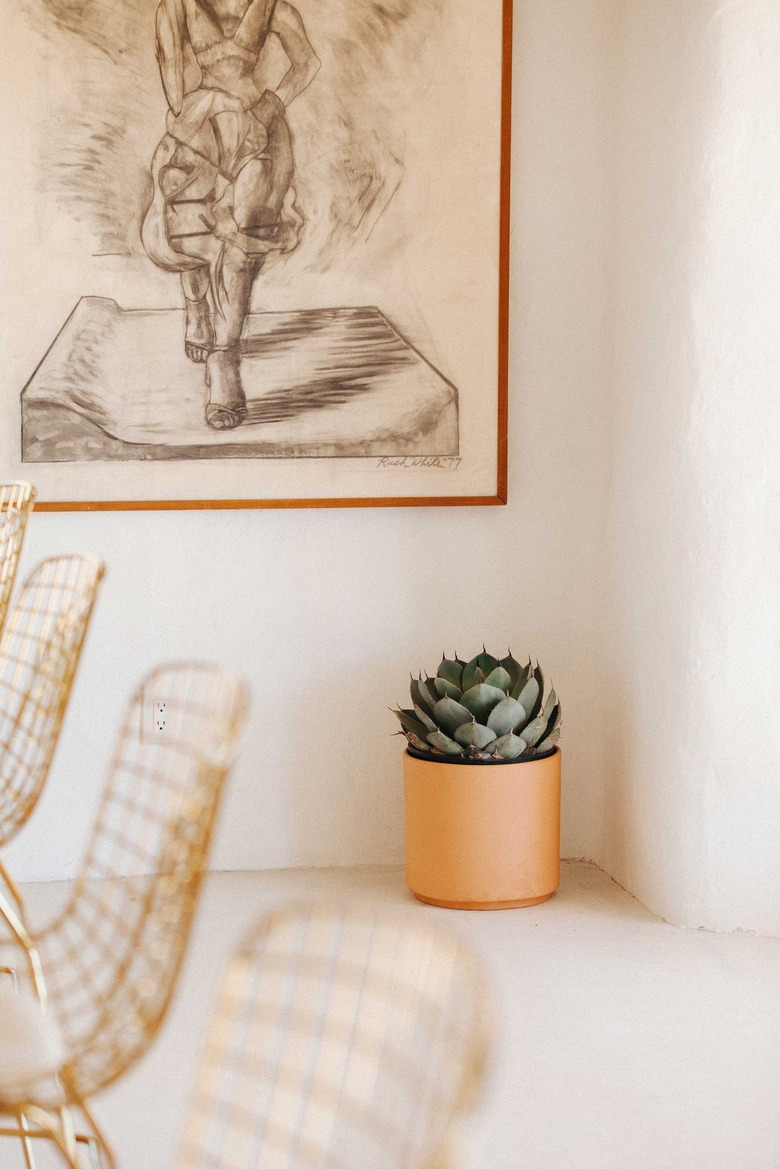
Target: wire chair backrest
(341, 1040)
(39, 653)
(112, 957)
(16, 503)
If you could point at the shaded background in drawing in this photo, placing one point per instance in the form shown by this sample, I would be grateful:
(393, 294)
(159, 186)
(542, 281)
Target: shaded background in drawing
(349, 130)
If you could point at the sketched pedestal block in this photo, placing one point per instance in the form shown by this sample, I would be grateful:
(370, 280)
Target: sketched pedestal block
(320, 383)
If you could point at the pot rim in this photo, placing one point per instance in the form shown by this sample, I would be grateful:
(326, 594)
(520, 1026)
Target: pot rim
(456, 761)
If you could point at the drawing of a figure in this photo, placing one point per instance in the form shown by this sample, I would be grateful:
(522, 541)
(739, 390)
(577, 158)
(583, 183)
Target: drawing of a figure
(223, 196)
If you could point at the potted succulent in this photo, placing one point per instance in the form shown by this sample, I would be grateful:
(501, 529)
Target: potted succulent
(486, 838)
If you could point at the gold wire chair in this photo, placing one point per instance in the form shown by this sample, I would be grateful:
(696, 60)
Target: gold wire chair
(16, 503)
(39, 654)
(40, 650)
(112, 957)
(341, 1040)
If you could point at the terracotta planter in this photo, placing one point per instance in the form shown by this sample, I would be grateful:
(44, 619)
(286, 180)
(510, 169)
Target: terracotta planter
(484, 836)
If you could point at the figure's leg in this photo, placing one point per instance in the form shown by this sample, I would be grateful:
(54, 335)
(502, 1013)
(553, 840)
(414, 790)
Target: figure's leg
(227, 403)
(257, 196)
(198, 329)
(262, 184)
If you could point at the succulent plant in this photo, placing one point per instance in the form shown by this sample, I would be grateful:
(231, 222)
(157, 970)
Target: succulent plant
(487, 709)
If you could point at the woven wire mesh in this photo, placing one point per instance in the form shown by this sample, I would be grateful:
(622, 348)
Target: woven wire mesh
(341, 1040)
(39, 653)
(111, 958)
(16, 502)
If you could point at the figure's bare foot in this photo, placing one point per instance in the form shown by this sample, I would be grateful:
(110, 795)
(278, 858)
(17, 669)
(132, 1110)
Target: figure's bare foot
(198, 331)
(226, 407)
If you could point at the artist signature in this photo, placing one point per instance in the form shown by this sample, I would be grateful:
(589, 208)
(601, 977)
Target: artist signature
(420, 462)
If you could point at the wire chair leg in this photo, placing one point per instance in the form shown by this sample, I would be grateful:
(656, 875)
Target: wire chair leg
(19, 930)
(14, 921)
(95, 1156)
(96, 1139)
(12, 887)
(59, 1128)
(11, 973)
(69, 1133)
(29, 1156)
(47, 1126)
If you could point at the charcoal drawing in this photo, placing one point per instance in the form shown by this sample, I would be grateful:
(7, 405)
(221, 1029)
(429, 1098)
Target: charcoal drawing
(274, 225)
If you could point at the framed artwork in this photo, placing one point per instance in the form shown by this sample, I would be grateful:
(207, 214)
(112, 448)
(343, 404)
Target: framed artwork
(255, 252)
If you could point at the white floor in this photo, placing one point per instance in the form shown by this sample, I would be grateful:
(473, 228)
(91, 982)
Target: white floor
(623, 1043)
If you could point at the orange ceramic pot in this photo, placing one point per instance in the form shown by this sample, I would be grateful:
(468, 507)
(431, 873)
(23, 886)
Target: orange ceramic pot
(485, 836)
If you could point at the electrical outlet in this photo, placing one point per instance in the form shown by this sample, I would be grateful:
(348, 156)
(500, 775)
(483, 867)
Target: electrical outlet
(159, 715)
(155, 718)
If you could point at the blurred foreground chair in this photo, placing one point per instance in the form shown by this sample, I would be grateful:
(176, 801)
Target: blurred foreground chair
(111, 959)
(341, 1040)
(40, 650)
(16, 503)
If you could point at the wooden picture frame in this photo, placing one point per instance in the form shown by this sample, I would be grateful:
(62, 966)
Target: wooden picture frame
(76, 426)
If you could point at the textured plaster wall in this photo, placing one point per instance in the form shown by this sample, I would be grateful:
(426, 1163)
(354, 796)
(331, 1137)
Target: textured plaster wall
(325, 612)
(692, 613)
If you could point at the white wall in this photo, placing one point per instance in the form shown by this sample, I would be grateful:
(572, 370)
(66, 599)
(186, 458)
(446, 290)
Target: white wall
(692, 619)
(327, 612)
(639, 556)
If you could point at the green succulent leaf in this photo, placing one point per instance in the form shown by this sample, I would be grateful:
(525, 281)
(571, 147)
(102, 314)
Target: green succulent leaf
(510, 747)
(451, 671)
(528, 696)
(426, 720)
(522, 679)
(450, 715)
(550, 742)
(442, 743)
(473, 734)
(499, 678)
(512, 668)
(410, 723)
(481, 700)
(550, 704)
(421, 695)
(445, 689)
(484, 662)
(534, 731)
(553, 717)
(506, 717)
(470, 674)
(537, 706)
